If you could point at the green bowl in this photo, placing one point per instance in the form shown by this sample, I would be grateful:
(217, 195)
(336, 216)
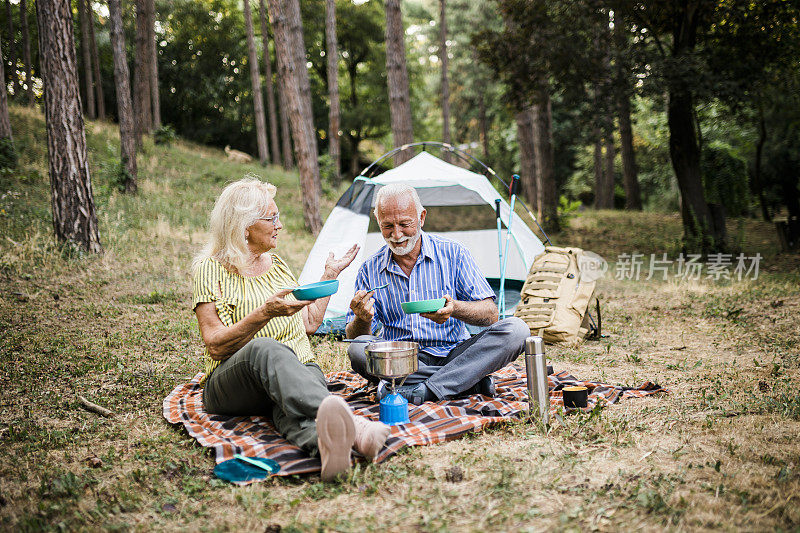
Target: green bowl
(423, 306)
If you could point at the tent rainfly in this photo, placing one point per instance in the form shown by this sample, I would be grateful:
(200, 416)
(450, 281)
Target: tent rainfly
(460, 205)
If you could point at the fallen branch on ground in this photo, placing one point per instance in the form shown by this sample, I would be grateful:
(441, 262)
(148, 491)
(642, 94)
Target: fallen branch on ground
(94, 408)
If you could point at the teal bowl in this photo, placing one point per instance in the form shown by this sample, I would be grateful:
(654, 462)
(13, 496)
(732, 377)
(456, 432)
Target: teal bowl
(423, 306)
(320, 289)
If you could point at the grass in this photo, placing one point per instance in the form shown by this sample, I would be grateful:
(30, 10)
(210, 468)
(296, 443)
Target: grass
(719, 452)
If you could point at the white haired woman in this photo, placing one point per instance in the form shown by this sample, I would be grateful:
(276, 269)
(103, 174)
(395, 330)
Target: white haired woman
(258, 359)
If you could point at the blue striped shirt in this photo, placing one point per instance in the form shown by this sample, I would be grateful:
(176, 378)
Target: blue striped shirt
(443, 267)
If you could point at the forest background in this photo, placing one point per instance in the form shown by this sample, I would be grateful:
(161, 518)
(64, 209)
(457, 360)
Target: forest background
(607, 70)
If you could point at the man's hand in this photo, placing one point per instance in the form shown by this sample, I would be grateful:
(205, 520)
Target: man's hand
(277, 305)
(442, 315)
(363, 306)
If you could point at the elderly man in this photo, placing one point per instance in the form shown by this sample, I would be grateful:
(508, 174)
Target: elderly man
(418, 266)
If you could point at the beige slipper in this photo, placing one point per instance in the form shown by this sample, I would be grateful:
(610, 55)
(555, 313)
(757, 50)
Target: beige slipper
(336, 434)
(370, 436)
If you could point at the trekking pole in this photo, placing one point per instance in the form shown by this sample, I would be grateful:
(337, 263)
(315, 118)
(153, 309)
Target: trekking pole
(500, 297)
(513, 190)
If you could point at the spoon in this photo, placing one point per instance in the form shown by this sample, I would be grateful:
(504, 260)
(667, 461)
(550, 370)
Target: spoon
(379, 287)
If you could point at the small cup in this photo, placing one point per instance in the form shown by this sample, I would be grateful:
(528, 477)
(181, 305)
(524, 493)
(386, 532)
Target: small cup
(575, 396)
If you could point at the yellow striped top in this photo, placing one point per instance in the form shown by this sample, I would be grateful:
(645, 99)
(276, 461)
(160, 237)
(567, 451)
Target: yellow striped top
(237, 296)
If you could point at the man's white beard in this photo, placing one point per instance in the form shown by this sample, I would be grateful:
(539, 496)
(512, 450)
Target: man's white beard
(406, 244)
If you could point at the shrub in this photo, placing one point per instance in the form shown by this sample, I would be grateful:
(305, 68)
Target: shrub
(164, 135)
(8, 155)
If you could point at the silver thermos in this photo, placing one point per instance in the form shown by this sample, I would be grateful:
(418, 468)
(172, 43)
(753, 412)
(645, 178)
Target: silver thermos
(536, 370)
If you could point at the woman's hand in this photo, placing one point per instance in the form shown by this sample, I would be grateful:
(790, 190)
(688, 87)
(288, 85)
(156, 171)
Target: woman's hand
(334, 267)
(277, 305)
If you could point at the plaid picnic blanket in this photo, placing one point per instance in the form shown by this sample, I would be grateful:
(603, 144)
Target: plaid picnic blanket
(430, 423)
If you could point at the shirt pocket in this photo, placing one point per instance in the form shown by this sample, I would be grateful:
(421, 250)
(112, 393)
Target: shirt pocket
(434, 294)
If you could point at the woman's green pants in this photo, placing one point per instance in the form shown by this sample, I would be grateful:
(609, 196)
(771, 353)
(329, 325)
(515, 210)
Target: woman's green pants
(265, 377)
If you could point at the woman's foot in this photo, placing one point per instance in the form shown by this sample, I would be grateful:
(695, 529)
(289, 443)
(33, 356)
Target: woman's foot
(370, 436)
(336, 434)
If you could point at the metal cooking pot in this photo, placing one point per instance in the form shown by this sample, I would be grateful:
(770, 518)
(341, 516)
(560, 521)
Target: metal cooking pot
(392, 359)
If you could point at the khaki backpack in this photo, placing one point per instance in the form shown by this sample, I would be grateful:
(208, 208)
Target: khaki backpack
(554, 300)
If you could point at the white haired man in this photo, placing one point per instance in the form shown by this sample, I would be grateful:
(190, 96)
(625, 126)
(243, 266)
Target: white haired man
(419, 266)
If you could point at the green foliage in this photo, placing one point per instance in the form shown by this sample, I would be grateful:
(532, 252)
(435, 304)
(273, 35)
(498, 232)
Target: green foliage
(114, 174)
(8, 155)
(725, 179)
(165, 135)
(567, 209)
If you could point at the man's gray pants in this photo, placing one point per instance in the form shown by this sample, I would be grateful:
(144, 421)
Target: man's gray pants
(466, 364)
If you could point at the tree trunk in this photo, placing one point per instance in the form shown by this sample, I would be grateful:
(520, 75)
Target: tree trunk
(445, 83)
(5, 121)
(290, 51)
(758, 186)
(527, 158)
(397, 77)
(12, 51)
(127, 127)
(271, 111)
(286, 137)
(141, 72)
(700, 232)
(608, 160)
(155, 97)
(74, 218)
(600, 201)
(26, 51)
(255, 82)
(630, 179)
(98, 80)
(484, 124)
(545, 165)
(334, 116)
(86, 56)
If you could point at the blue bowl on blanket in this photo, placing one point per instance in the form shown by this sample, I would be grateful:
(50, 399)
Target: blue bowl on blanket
(320, 289)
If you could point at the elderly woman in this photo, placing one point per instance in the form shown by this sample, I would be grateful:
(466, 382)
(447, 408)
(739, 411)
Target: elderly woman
(258, 360)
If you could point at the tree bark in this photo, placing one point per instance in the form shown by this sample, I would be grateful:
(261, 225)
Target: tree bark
(98, 80)
(26, 51)
(397, 77)
(155, 97)
(255, 82)
(758, 186)
(86, 56)
(630, 178)
(600, 201)
(445, 82)
(334, 115)
(127, 127)
(527, 158)
(286, 137)
(12, 50)
(141, 73)
(545, 167)
(290, 51)
(702, 230)
(272, 114)
(5, 121)
(608, 160)
(74, 218)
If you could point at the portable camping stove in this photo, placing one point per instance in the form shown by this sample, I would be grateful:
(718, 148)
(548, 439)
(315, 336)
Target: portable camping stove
(392, 361)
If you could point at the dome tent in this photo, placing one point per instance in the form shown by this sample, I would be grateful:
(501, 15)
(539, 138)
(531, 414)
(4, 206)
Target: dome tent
(460, 206)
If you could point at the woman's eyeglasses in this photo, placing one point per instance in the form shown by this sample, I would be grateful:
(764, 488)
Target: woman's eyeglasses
(274, 218)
